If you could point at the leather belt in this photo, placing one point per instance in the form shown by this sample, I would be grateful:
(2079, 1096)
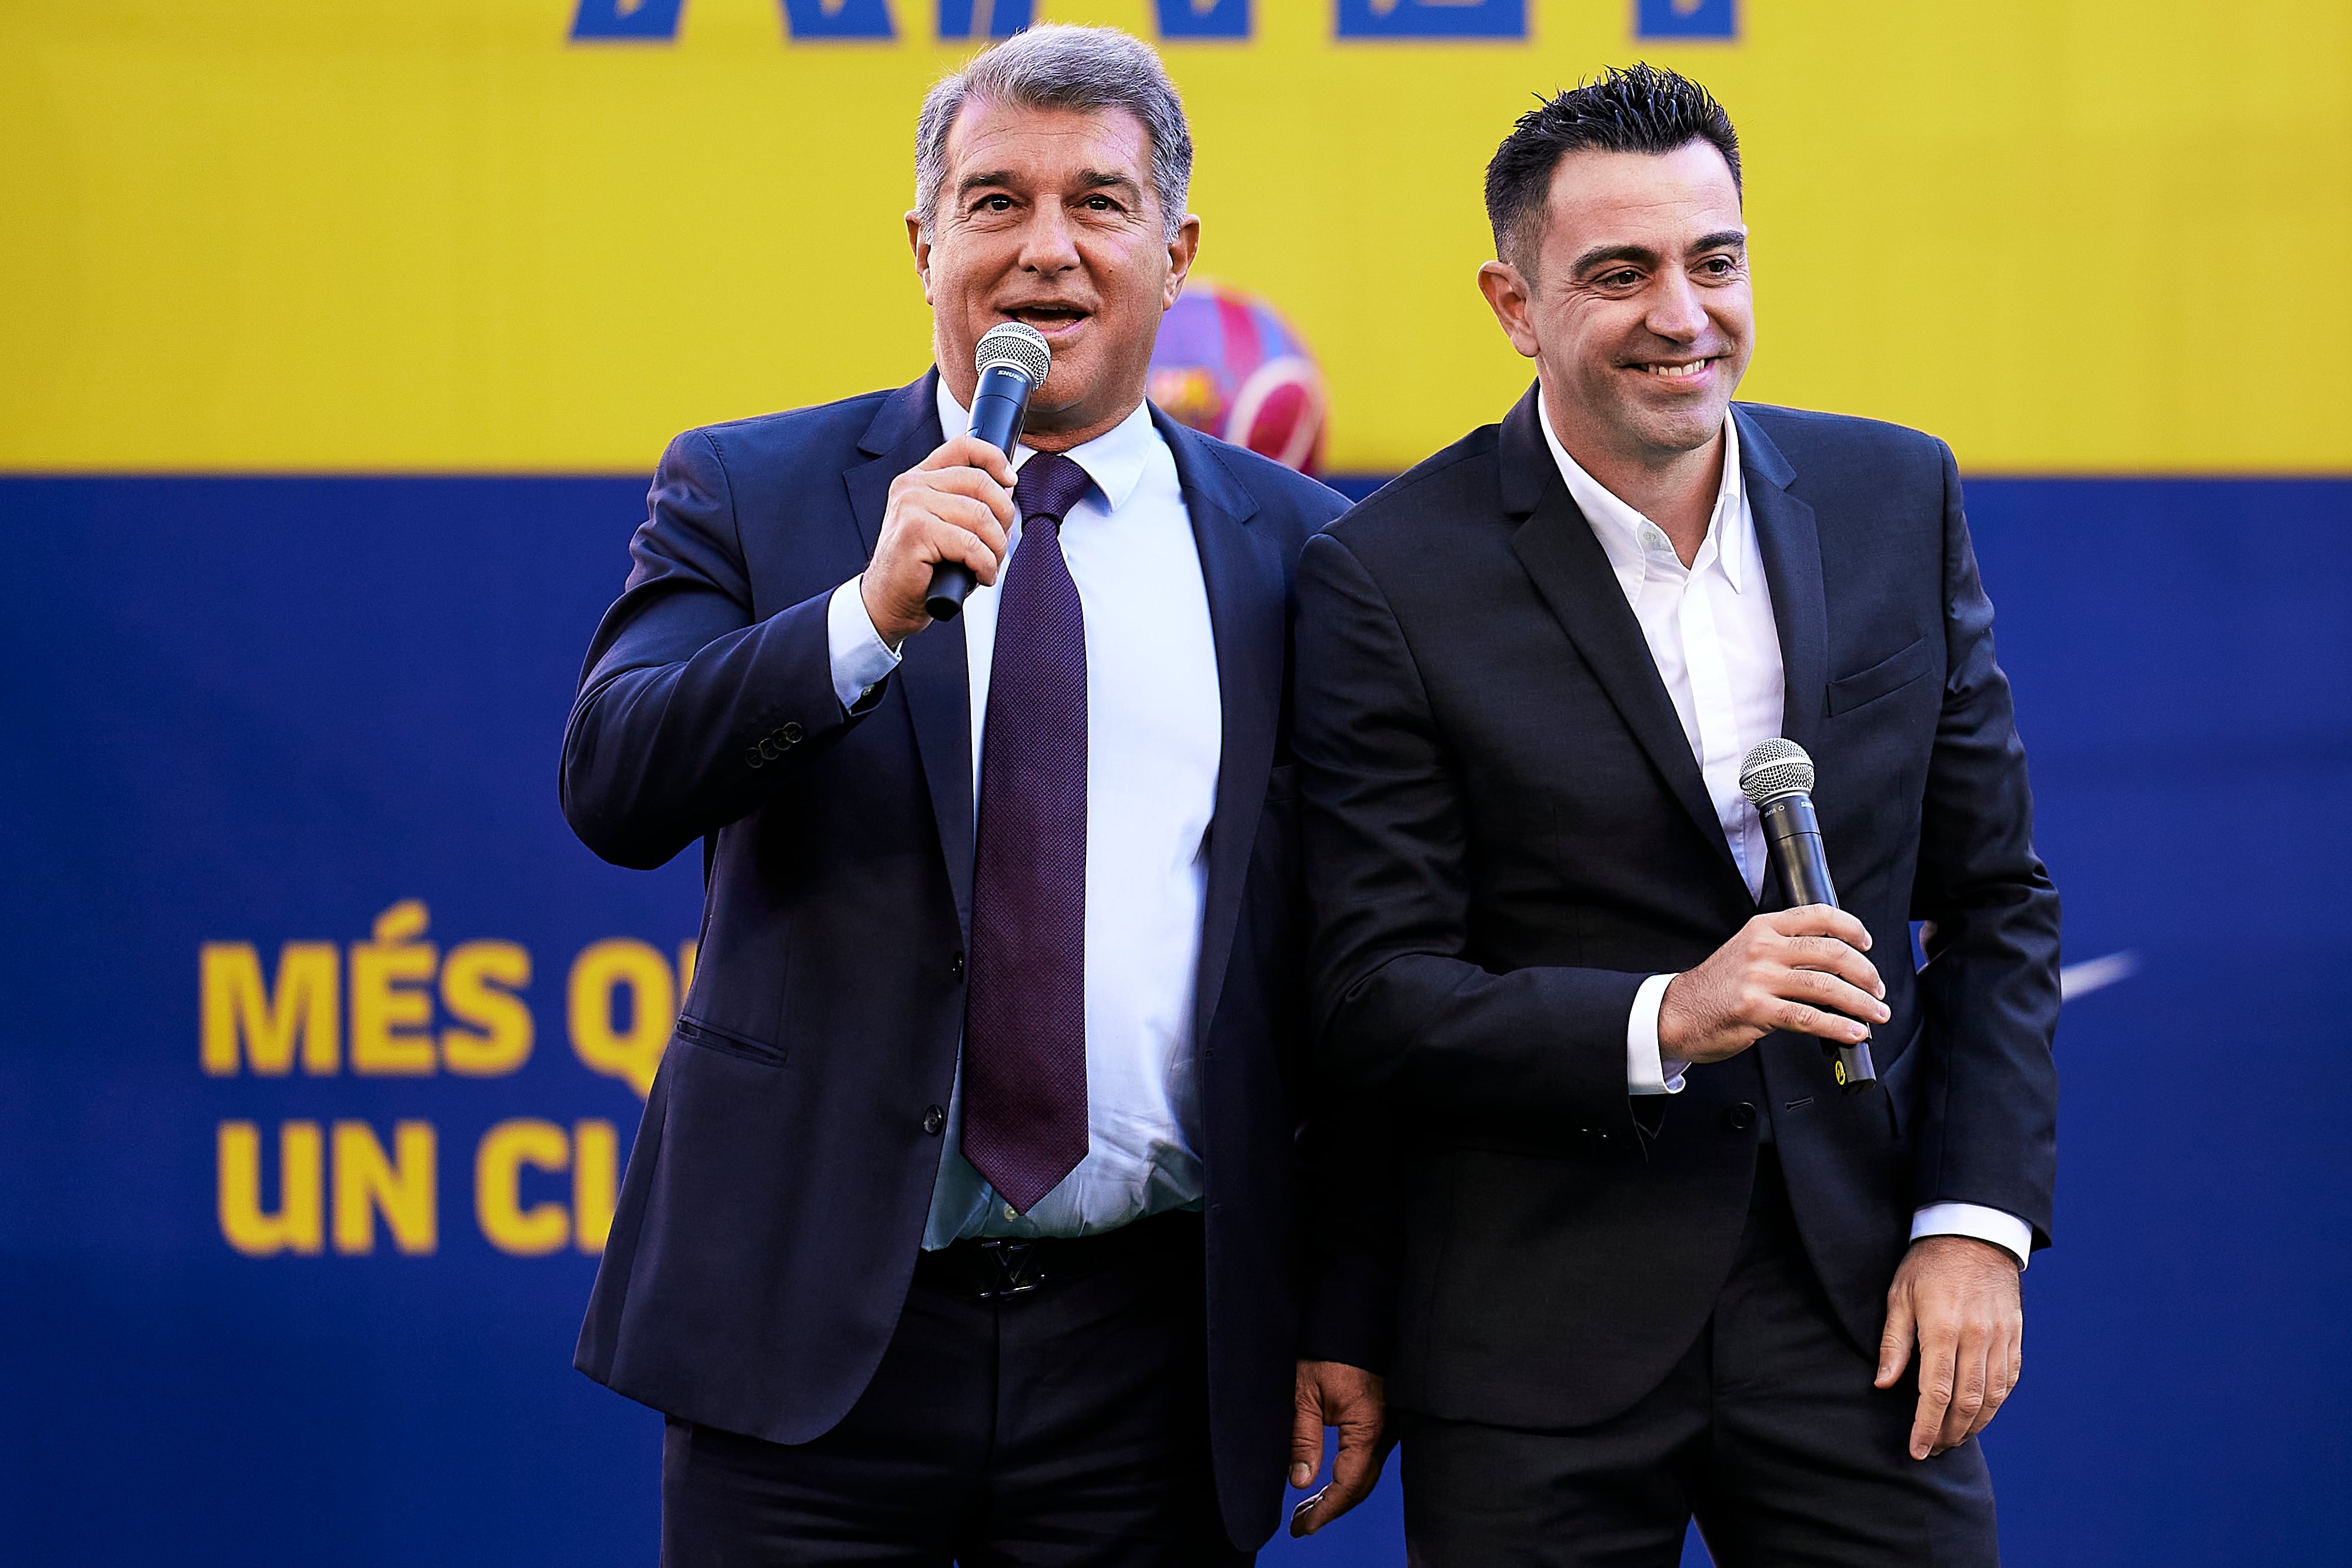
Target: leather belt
(997, 1267)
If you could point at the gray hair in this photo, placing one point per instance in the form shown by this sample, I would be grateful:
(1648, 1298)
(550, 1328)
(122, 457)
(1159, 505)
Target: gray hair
(1056, 66)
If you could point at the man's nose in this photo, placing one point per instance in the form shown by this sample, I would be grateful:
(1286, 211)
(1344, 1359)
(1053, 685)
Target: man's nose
(1676, 311)
(1047, 243)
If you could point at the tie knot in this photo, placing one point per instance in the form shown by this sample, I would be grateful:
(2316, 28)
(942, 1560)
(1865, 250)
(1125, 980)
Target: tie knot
(1048, 486)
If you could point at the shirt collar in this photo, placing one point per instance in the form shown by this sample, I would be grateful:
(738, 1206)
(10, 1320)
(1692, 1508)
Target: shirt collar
(1619, 527)
(1115, 460)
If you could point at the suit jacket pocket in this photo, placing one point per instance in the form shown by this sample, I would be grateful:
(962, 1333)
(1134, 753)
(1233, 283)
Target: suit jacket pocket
(1893, 672)
(711, 1036)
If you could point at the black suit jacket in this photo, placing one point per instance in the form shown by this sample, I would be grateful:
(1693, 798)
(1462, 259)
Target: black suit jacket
(1507, 832)
(775, 1200)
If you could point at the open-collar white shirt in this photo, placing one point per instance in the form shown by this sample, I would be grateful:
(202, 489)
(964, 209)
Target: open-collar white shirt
(1709, 627)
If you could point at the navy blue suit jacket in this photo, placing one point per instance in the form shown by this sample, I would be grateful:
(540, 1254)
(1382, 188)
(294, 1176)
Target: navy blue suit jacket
(1506, 832)
(776, 1196)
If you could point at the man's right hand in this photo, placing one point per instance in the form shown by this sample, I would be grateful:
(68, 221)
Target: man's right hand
(1784, 970)
(956, 504)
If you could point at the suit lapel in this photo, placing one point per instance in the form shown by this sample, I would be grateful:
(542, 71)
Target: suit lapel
(1791, 549)
(1243, 577)
(1556, 547)
(932, 675)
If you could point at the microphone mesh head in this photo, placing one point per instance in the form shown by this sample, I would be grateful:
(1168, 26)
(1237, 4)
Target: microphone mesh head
(1775, 769)
(1014, 343)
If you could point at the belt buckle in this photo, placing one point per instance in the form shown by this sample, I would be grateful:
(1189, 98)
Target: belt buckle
(1017, 1270)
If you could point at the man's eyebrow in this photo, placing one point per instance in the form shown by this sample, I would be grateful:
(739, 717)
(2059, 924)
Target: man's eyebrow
(1088, 180)
(1638, 254)
(1107, 180)
(1643, 256)
(982, 180)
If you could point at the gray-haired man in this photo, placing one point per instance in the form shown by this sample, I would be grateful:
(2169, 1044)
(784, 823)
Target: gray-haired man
(959, 1228)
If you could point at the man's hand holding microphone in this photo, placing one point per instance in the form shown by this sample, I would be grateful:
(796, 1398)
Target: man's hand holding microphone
(956, 505)
(1803, 970)
(951, 517)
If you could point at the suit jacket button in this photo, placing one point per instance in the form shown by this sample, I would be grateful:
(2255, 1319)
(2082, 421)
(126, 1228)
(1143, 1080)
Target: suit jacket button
(933, 1120)
(752, 759)
(1740, 1117)
(768, 749)
(791, 734)
(955, 967)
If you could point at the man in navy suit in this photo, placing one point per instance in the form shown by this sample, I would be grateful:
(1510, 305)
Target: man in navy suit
(1655, 1263)
(961, 1224)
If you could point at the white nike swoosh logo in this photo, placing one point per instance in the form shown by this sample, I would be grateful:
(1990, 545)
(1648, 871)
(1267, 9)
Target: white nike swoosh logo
(2096, 974)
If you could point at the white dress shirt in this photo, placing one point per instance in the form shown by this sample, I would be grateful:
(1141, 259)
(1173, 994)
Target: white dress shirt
(1155, 736)
(1717, 648)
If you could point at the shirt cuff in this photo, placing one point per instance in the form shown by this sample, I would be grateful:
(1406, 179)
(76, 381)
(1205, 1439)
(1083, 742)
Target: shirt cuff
(861, 660)
(1645, 1071)
(2005, 1232)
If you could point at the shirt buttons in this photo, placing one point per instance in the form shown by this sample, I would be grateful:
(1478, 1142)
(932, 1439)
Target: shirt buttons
(1011, 1212)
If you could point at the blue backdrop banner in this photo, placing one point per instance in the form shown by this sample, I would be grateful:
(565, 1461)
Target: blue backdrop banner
(324, 1039)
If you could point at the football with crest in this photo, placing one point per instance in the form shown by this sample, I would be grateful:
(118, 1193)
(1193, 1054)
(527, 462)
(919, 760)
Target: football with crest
(1227, 364)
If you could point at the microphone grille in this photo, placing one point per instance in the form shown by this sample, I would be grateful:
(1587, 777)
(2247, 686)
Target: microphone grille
(1014, 343)
(1775, 769)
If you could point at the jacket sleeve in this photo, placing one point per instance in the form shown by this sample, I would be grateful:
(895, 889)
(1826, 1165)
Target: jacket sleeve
(1987, 1107)
(690, 712)
(1352, 1232)
(1402, 1010)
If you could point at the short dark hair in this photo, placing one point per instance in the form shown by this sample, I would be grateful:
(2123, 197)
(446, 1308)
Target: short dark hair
(1638, 109)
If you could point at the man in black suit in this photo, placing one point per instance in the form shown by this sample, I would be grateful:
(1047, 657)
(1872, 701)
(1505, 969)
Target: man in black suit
(959, 1224)
(1654, 1262)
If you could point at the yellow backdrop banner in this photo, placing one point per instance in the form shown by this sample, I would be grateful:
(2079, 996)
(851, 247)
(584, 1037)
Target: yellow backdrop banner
(2070, 235)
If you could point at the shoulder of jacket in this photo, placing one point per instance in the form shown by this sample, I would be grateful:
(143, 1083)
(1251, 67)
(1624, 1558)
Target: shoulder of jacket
(1800, 430)
(1309, 500)
(1448, 479)
(792, 430)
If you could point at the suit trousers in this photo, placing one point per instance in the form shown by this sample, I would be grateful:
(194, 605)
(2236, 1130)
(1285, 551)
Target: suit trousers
(1062, 1428)
(1769, 1431)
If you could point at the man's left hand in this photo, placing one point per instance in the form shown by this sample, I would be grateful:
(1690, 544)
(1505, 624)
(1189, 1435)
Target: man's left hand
(1957, 1298)
(1333, 1394)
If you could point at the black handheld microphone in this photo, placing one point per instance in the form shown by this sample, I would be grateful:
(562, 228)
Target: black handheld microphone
(1012, 359)
(1777, 779)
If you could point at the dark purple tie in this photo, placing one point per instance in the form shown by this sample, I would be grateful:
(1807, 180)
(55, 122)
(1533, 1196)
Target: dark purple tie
(1025, 1028)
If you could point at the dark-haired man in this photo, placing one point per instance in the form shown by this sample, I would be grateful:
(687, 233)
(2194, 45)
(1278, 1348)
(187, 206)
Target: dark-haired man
(1655, 1263)
(960, 1226)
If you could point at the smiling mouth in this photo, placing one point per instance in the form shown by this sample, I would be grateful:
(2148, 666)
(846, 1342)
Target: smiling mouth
(1688, 370)
(1045, 317)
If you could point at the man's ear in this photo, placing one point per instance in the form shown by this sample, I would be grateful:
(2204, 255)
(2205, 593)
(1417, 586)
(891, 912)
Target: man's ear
(921, 243)
(1511, 300)
(1182, 250)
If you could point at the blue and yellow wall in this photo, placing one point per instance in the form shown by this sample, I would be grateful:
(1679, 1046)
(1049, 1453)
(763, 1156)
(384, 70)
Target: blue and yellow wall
(340, 339)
